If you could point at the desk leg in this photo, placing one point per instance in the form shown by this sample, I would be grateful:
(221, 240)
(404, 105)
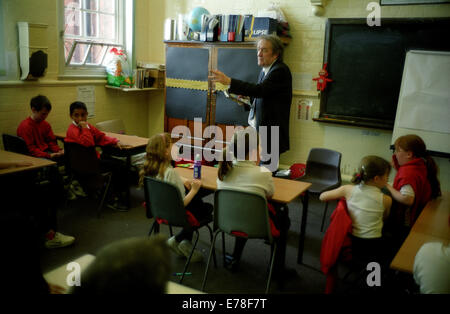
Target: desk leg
(128, 196)
(283, 240)
(301, 242)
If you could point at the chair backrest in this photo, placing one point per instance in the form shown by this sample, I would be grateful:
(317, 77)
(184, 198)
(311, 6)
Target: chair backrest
(115, 126)
(324, 164)
(237, 211)
(164, 201)
(16, 144)
(81, 160)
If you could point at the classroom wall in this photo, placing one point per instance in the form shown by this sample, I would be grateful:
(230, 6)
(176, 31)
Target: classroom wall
(15, 95)
(304, 56)
(143, 112)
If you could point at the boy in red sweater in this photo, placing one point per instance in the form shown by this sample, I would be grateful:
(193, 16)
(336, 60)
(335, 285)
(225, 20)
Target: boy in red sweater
(41, 143)
(83, 133)
(37, 132)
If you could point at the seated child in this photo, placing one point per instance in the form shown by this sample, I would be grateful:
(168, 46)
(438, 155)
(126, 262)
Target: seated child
(367, 206)
(242, 173)
(158, 165)
(83, 133)
(37, 132)
(415, 184)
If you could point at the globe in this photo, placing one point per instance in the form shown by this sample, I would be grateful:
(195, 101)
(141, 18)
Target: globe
(194, 19)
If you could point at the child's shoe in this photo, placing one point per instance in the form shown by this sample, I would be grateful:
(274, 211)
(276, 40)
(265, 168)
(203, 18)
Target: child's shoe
(56, 240)
(186, 247)
(173, 244)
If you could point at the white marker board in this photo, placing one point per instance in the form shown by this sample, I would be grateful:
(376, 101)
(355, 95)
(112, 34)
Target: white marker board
(424, 100)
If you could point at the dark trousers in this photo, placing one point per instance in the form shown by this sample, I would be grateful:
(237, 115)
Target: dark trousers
(119, 172)
(201, 211)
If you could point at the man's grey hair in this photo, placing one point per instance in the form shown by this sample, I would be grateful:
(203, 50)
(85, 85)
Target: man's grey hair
(277, 44)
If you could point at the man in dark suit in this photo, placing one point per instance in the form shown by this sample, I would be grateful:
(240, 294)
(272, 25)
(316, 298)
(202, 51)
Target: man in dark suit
(270, 98)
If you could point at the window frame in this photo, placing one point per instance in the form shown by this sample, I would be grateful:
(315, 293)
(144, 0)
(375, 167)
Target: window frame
(125, 36)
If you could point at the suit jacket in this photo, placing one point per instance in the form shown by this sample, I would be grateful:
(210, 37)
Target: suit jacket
(273, 100)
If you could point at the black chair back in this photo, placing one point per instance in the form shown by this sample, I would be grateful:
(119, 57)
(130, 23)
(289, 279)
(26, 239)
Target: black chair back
(323, 169)
(16, 144)
(81, 160)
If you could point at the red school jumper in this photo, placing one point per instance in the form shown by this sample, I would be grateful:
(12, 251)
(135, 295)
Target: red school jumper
(39, 137)
(88, 136)
(415, 174)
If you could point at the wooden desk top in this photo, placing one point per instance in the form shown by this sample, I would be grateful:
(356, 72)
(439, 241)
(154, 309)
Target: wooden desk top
(10, 156)
(434, 219)
(285, 190)
(431, 226)
(127, 141)
(404, 260)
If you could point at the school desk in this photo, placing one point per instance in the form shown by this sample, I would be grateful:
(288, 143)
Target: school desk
(285, 192)
(433, 225)
(37, 163)
(130, 145)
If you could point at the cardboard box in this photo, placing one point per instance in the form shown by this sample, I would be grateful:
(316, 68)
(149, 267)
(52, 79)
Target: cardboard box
(257, 26)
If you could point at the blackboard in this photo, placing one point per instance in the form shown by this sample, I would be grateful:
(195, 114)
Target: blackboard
(366, 66)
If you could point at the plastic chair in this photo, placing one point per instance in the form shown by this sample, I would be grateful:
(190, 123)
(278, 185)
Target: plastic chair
(323, 170)
(163, 200)
(16, 144)
(237, 212)
(83, 164)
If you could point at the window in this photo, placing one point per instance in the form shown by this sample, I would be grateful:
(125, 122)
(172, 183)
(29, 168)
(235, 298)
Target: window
(91, 28)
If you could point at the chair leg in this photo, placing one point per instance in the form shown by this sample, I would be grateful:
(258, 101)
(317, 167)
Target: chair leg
(324, 216)
(272, 262)
(108, 182)
(154, 226)
(223, 248)
(190, 256)
(66, 201)
(209, 258)
(214, 251)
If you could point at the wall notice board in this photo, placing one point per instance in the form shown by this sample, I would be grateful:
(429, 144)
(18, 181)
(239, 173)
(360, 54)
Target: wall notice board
(366, 66)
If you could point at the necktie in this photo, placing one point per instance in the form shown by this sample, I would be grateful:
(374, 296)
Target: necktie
(253, 108)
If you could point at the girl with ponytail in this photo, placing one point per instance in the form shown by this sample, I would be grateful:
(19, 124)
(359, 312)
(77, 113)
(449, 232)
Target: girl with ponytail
(239, 170)
(367, 205)
(158, 165)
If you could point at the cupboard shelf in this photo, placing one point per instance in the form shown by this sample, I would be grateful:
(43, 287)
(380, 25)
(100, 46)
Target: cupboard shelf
(133, 89)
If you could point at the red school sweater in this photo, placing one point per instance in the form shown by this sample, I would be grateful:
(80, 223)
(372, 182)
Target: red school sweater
(415, 174)
(39, 137)
(88, 137)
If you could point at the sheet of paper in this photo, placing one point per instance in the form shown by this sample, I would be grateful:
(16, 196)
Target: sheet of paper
(24, 52)
(302, 81)
(86, 94)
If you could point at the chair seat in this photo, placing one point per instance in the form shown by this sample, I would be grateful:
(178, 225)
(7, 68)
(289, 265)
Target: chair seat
(319, 186)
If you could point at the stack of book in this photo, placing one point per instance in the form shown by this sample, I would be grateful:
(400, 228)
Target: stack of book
(149, 75)
(231, 27)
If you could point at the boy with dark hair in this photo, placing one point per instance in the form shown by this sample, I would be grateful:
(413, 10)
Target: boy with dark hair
(41, 143)
(37, 132)
(83, 133)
